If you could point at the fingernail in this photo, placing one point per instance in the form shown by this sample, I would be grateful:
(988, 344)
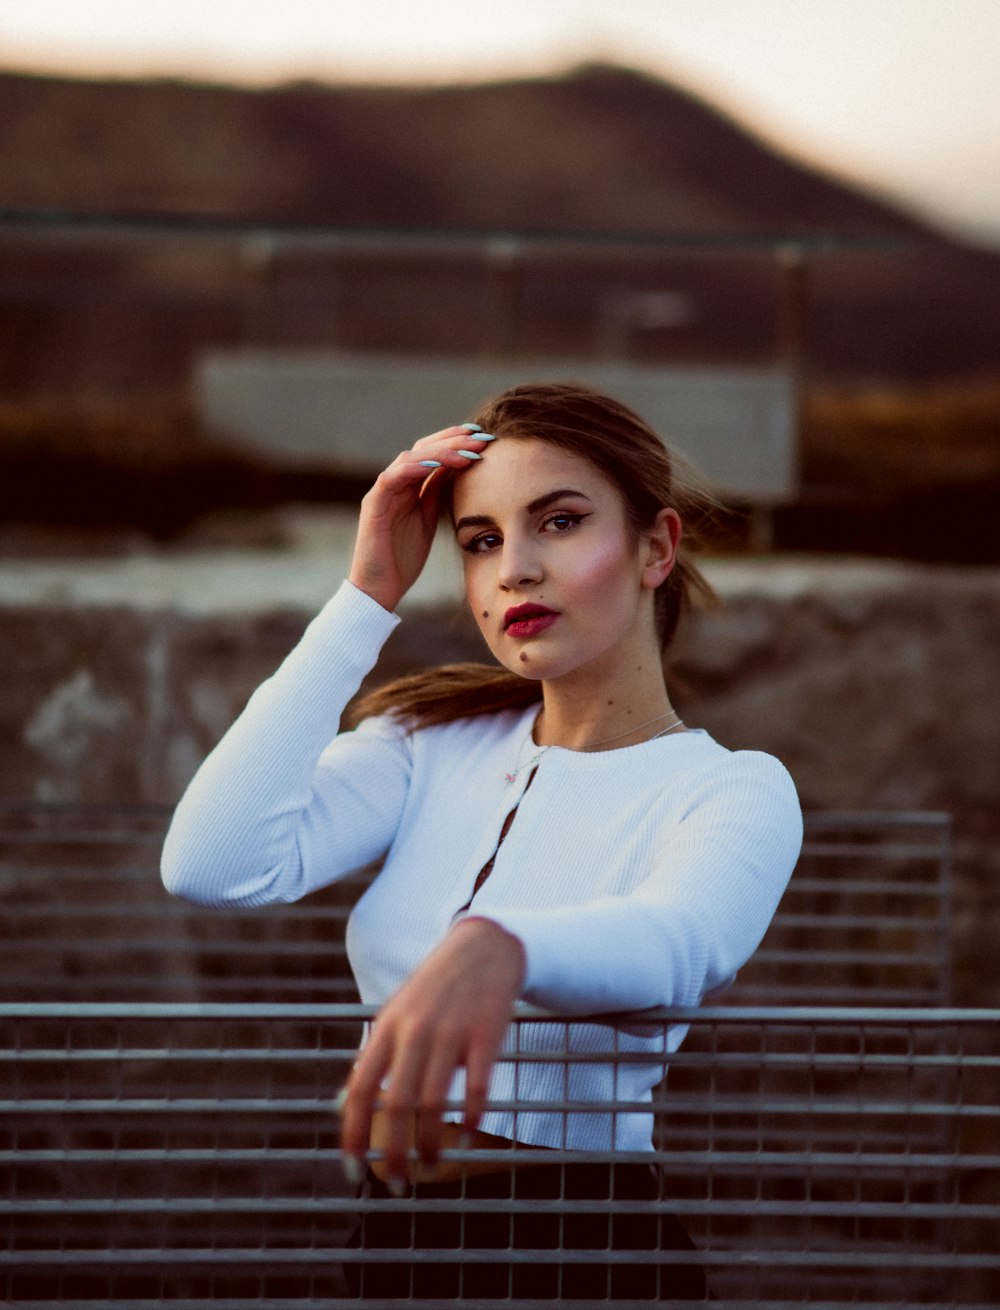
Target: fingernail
(471, 427)
(485, 436)
(353, 1170)
(396, 1187)
(470, 454)
(432, 463)
(339, 1101)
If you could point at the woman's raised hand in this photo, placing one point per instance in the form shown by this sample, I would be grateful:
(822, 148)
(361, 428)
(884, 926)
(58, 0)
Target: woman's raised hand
(451, 1013)
(396, 525)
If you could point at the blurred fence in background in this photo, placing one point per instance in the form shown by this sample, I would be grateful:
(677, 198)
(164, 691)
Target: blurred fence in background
(120, 304)
(866, 918)
(315, 347)
(167, 365)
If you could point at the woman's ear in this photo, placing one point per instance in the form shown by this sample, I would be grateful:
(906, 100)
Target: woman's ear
(659, 548)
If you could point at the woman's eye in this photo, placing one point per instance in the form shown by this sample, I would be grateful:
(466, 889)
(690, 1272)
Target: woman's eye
(483, 542)
(563, 522)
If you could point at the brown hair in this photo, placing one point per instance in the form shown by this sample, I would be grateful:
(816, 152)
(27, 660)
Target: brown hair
(633, 458)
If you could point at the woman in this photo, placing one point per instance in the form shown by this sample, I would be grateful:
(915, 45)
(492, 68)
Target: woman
(550, 830)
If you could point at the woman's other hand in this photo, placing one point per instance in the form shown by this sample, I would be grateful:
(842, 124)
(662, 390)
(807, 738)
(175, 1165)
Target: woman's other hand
(451, 1013)
(396, 525)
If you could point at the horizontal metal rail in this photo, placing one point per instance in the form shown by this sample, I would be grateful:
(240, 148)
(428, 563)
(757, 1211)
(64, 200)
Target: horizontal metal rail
(69, 223)
(875, 1016)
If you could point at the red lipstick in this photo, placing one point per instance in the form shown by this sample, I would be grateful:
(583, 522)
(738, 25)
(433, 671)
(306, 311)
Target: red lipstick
(528, 620)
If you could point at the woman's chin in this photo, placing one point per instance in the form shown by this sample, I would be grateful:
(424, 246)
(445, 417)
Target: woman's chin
(538, 665)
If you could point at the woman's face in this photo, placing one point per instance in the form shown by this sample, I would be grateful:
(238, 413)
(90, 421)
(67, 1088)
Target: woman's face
(557, 580)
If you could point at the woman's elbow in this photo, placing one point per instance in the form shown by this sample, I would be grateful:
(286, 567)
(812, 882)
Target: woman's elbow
(188, 880)
(192, 870)
(226, 879)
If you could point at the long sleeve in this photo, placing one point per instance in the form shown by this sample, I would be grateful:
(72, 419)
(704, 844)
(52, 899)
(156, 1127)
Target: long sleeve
(282, 804)
(692, 923)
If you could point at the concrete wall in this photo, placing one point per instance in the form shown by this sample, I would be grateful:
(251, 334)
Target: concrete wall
(877, 685)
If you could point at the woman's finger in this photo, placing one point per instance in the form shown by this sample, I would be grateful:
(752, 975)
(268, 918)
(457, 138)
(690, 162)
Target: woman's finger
(478, 1067)
(436, 474)
(399, 1104)
(457, 434)
(455, 448)
(428, 463)
(442, 1064)
(359, 1106)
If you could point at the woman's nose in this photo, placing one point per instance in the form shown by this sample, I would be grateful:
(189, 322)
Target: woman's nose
(519, 565)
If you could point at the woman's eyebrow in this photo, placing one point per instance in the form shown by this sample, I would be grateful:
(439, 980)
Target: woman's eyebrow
(540, 503)
(473, 521)
(543, 501)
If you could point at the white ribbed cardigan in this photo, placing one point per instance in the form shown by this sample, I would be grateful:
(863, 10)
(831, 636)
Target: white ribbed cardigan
(635, 877)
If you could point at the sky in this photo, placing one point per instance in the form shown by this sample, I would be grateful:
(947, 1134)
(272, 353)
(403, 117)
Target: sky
(900, 95)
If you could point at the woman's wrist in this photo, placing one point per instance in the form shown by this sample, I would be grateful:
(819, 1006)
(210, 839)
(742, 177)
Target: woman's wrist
(381, 595)
(503, 946)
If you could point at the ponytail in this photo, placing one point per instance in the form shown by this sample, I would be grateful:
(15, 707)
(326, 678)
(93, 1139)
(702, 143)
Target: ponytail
(447, 693)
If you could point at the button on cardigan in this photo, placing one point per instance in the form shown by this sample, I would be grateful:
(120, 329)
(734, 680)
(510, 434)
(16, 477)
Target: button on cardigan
(635, 877)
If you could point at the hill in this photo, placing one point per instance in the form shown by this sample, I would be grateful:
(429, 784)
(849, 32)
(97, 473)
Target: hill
(603, 150)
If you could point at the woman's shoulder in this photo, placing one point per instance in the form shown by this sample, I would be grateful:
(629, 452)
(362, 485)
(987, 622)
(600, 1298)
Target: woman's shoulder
(711, 765)
(709, 750)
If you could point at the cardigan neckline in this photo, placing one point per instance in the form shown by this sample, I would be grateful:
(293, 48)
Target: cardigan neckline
(597, 759)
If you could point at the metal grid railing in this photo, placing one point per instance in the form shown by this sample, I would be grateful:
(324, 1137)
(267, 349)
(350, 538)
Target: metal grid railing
(865, 918)
(186, 1155)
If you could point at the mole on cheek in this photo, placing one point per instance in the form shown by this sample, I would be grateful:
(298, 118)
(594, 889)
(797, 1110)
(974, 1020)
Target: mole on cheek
(524, 658)
(486, 614)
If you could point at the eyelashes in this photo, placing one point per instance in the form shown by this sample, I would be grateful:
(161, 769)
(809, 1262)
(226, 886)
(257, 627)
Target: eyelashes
(556, 524)
(479, 545)
(565, 516)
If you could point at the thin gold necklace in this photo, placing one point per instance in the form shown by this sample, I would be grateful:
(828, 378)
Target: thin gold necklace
(671, 727)
(628, 731)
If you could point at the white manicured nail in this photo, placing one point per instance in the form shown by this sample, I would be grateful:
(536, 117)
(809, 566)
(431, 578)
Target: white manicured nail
(353, 1169)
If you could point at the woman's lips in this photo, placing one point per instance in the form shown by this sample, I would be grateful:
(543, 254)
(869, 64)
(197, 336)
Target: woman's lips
(528, 620)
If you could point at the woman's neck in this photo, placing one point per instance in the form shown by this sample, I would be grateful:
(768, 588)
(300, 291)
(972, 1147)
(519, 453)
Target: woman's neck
(609, 720)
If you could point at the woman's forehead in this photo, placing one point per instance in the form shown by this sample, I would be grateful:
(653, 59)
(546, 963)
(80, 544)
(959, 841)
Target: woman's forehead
(514, 472)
